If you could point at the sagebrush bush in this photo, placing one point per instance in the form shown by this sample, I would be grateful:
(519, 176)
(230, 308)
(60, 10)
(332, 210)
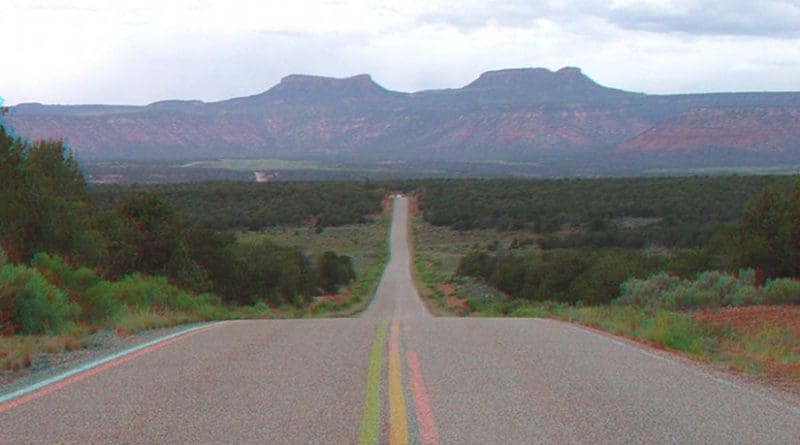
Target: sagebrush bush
(648, 292)
(31, 305)
(710, 289)
(747, 295)
(782, 291)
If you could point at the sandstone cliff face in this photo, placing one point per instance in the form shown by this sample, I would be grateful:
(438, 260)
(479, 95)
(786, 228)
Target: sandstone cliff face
(758, 129)
(520, 114)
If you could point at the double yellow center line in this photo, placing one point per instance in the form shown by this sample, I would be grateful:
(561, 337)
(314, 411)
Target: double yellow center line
(397, 401)
(370, 423)
(398, 415)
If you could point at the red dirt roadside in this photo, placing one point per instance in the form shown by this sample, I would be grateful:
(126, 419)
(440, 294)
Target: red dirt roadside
(750, 322)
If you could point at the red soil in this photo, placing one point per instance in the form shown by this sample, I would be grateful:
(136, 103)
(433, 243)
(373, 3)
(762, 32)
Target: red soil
(750, 321)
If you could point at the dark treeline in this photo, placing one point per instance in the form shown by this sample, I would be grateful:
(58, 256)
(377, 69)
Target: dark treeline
(632, 212)
(52, 233)
(762, 240)
(591, 276)
(242, 205)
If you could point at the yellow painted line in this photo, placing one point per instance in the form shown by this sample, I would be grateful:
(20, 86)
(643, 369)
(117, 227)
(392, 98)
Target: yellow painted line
(398, 434)
(370, 423)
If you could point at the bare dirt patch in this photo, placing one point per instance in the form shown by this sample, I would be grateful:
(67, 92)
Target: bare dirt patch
(337, 298)
(754, 319)
(454, 304)
(764, 338)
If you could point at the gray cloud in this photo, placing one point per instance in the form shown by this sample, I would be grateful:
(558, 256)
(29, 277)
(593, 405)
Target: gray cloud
(221, 69)
(217, 53)
(469, 17)
(774, 18)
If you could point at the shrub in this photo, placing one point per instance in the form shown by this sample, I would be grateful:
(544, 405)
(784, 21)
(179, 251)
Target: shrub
(334, 271)
(99, 304)
(608, 269)
(476, 264)
(647, 292)
(747, 295)
(51, 267)
(710, 289)
(527, 312)
(323, 307)
(687, 297)
(30, 304)
(563, 267)
(146, 292)
(84, 287)
(185, 272)
(782, 291)
(678, 332)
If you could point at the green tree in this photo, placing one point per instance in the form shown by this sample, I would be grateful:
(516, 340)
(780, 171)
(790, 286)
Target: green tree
(144, 232)
(44, 205)
(334, 271)
(184, 272)
(767, 237)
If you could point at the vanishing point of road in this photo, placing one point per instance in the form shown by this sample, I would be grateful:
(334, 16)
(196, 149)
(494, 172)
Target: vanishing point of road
(397, 375)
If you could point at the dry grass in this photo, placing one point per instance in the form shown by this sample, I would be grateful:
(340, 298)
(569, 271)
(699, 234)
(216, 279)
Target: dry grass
(141, 320)
(16, 352)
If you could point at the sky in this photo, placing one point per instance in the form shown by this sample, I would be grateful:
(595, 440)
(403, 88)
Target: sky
(120, 52)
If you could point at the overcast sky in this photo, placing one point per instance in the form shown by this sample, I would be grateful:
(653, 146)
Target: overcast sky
(118, 52)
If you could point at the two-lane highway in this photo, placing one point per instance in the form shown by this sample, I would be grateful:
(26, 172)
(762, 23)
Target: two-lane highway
(397, 375)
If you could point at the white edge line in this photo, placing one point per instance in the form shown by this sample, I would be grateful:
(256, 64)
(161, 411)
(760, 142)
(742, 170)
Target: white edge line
(95, 363)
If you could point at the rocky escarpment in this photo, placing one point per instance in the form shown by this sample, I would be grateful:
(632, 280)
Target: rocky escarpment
(755, 129)
(516, 114)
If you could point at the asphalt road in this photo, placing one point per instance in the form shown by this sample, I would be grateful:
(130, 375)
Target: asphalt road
(397, 375)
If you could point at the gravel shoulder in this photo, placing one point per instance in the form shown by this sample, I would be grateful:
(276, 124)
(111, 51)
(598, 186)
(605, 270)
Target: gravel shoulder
(101, 344)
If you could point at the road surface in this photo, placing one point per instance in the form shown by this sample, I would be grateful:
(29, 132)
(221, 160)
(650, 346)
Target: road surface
(397, 375)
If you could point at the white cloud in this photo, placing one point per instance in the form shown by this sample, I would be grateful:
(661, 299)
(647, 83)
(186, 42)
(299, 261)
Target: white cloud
(92, 51)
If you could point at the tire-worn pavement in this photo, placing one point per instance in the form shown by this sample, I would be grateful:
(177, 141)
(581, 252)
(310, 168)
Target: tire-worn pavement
(464, 380)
